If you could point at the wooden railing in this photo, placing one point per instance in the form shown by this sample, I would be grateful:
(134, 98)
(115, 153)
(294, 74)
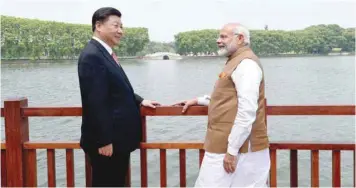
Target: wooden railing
(19, 160)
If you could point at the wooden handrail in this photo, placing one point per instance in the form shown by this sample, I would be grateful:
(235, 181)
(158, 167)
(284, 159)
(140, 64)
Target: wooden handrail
(277, 145)
(196, 111)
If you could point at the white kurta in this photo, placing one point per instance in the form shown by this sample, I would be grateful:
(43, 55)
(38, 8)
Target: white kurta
(252, 168)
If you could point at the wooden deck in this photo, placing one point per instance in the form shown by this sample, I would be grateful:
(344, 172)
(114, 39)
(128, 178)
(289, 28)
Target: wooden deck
(19, 163)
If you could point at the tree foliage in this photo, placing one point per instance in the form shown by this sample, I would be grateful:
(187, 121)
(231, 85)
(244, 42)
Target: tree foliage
(318, 39)
(36, 39)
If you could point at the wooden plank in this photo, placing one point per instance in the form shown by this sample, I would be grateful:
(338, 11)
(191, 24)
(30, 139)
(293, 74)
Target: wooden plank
(143, 154)
(70, 168)
(172, 145)
(311, 110)
(287, 145)
(201, 110)
(293, 168)
(30, 169)
(77, 111)
(273, 171)
(312, 145)
(182, 167)
(175, 111)
(336, 169)
(144, 128)
(51, 168)
(163, 167)
(52, 145)
(280, 145)
(314, 162)
(52, 111)
(271, 110)
(143, 161)
(16, 132)
(88, 171)
(3, 168)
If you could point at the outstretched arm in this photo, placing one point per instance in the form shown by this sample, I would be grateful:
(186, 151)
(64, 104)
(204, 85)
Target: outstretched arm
(247, 78)
(204, 100)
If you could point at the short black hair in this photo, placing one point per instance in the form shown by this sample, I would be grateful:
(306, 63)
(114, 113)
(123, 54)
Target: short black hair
(102, 14)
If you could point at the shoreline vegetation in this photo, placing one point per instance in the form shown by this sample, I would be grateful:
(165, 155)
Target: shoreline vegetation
(44, 59)
(33, 39)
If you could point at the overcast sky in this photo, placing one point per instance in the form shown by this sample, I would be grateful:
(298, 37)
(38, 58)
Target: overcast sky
(165, 18)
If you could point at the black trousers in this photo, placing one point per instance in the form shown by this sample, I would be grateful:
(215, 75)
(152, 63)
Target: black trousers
(109, 171)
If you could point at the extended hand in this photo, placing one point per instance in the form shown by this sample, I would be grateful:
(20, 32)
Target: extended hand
(106, 150)
(230, 163)
(186, 104)
(151, 104)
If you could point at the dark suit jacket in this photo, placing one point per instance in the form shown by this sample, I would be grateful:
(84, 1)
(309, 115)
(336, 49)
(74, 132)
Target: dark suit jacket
(111, 109)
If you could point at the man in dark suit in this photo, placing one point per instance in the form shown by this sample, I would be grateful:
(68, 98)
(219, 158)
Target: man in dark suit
(111, 123)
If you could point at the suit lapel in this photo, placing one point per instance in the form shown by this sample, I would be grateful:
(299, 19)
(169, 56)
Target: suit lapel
(125, 77)
(112, 61)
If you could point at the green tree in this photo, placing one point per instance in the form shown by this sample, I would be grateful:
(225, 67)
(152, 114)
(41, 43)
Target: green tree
(317, 39)
(35, 39)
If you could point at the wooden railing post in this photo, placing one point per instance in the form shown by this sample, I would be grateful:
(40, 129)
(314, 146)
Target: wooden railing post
(143, 154)
(265, 101)
(16, 133)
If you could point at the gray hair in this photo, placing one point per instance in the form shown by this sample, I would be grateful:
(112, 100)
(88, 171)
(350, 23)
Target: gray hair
(242, 30)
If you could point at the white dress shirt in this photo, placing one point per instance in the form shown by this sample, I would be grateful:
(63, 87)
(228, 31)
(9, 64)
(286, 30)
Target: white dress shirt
(247, 77)
(106, 46)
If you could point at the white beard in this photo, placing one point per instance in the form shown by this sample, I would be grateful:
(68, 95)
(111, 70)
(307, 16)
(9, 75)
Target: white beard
(223, 51)
(227, 49)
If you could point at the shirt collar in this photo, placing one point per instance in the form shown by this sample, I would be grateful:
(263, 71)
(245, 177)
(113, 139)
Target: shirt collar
(106, 46)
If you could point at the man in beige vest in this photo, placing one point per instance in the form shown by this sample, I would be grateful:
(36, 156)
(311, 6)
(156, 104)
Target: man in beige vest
(236, 143)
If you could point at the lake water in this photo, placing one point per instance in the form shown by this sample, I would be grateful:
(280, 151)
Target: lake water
(289, 81)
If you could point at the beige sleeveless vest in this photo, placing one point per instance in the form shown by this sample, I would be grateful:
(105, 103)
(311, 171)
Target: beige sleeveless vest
(223, 109)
